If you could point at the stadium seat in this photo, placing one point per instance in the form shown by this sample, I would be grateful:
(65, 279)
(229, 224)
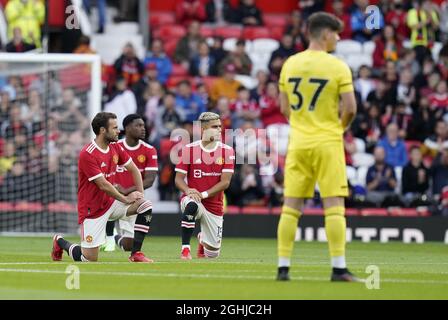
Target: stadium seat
(229, 32)
(362, 174)
(264, 46)
(360, 145)
(209, 81)
(165, 5)
(352, 175)
(24, 206)
(356, 60)
(170, 47)
(166, 32)
(363, 159)
(368, 47)
(179, 70)
(62, 207)
(229, 44)
(276, 210)
(252, 33)
(348, 47)
(75, 77)
(174, 80)
(275, 20)
(207, 31)
(247, 81)
(377, 212)
(423, 211)
(436, 50)
(276, 33)
(158, 18)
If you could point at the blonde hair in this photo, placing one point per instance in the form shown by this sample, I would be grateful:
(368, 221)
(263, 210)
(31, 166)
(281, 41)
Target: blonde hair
(208, 116)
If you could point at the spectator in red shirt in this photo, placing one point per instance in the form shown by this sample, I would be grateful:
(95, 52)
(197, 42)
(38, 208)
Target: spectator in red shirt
(338, 10)
(244, 109)
(270, 107)
(387, 47)
(189, 10)
(439, 99)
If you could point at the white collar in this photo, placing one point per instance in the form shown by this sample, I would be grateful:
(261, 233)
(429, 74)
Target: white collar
(132, 148)
(98, 147)
(208, 150)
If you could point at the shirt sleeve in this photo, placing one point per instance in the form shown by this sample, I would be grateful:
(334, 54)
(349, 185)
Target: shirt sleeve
(282, 79)
(89, 166)
(184, 161)
(123, 157)
(229, 161)
(345, 79)
(151, 160)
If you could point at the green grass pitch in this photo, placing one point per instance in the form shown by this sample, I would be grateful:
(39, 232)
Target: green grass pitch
(245, 270)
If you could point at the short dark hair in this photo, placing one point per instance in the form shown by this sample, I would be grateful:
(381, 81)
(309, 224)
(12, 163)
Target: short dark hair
(130, 118)
(322, 20)
(102, 120)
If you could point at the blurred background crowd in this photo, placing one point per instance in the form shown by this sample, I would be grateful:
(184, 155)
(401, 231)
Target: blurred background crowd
(226, 56)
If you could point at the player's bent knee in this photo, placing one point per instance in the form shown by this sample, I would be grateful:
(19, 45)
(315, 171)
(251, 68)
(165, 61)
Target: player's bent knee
(145, 207)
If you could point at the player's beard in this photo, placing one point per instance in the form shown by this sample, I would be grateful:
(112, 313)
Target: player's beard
(111, 138)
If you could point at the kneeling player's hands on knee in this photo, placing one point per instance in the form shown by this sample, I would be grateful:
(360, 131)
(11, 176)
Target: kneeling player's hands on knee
(134, 196)
(194, 194)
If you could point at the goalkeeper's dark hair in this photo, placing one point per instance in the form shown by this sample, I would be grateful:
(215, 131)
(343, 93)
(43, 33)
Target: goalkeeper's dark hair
(102, 120)
(129, 119)
(320, 21)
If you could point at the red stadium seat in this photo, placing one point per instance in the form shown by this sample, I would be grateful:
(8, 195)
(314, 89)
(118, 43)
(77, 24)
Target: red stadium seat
(170, 47)
(77, 77)
(24, 206)
(410, 143)
(272, 6)
(6, 207)
(255, 210)
(179, 70)
(276, 210)
(378, 212)
(277, 33)
(275, 20)
(252, 33)
(313, 211)
(209, 81)
(423, 211)
(207, 31)
(403, 212)
(165, 5)
(56, 16)
(158, 18)
(174, 80)
(167, 32)
(62, 207)
(229, 32)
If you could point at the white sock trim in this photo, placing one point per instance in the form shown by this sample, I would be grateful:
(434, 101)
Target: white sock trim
(186, 246)
(338, 262)
(284, 262)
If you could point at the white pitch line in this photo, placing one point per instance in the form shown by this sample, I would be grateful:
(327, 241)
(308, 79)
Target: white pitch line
(209, 276)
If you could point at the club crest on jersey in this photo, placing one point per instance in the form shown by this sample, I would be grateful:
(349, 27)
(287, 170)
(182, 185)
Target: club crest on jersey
(220, 161)
(89, 239)
(141, 158)
(115, 159)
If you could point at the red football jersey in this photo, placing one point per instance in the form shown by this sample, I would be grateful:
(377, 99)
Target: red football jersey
(94, 163)
(203, 169)
(144, 157)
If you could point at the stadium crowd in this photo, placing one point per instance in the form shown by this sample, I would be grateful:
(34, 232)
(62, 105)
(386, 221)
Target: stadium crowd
(396, 150)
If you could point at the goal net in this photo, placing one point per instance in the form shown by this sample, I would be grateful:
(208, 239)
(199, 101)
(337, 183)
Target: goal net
(46, 103)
